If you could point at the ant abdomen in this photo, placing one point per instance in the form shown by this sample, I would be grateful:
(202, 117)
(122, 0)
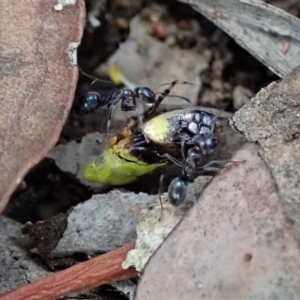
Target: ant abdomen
(177, 191)
(90, 102)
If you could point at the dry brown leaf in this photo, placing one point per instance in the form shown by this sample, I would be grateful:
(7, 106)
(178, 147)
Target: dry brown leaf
(270, 34)
(38, 78)
(248, 251)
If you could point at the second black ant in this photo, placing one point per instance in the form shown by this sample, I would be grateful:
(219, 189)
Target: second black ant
(204, 144)
(128, 97)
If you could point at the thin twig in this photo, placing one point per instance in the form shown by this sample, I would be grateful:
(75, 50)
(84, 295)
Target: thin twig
(100, 270)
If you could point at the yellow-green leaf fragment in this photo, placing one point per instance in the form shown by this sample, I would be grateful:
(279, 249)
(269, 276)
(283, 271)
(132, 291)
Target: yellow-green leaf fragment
(118, 166)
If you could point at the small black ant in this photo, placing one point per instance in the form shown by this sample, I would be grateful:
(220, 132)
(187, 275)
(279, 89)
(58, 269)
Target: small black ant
(93, 100)
(177, 190)
(199, 145)
(204, 144)
(178, 187)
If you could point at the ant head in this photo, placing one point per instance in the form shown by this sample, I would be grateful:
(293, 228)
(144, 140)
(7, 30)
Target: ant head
(145, 94)
(91, 101)
(177, 191)
(206, 142)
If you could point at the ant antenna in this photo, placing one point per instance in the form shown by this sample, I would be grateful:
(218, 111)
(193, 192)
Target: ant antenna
(174, 96)
(214, 120)
(209, 166)
(177, 82)
(94, 78)
(162, 96)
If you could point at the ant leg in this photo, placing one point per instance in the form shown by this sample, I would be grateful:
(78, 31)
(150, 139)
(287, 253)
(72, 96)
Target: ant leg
(183, 149)
(139, 118)
(183, 138)
(230, 163)
(160, 190)
(209, 165)
(174, 160)
(126, 107)
(110, 111)
(94, 78)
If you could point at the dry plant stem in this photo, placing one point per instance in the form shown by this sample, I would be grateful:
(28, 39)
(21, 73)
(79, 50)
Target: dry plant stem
(97, 271)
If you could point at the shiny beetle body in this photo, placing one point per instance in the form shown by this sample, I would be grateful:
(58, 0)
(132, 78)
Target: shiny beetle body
(173, 128)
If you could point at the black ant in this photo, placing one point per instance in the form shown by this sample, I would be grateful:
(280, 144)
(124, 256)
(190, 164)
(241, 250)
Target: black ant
(178, 187)
(204, 144)
(93, 100)
(177, 190)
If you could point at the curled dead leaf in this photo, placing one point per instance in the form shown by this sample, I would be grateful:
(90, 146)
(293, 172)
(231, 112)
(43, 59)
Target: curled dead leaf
(38, 75)
(248, 250)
